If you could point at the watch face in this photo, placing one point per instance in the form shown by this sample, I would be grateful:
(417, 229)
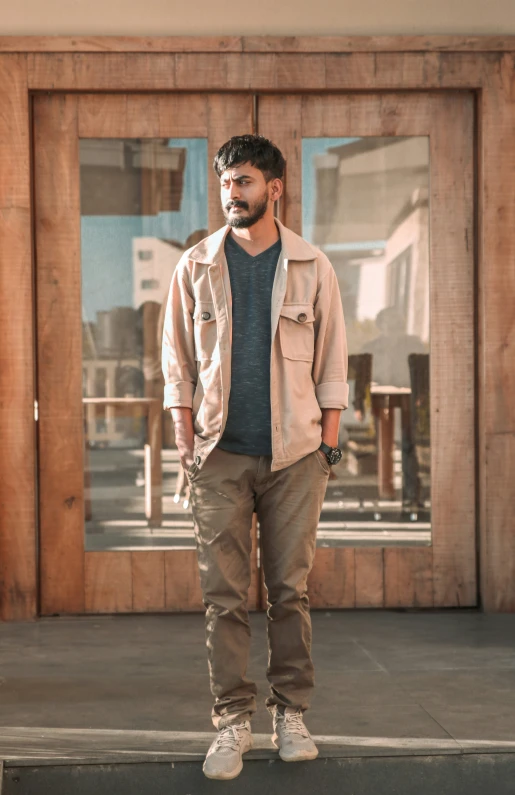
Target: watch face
(335, 456)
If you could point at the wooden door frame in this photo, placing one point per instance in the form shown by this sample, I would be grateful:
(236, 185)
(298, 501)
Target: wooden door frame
(442, 574)
(485, 65)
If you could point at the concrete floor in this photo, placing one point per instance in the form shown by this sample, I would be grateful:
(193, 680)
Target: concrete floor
(387, 683)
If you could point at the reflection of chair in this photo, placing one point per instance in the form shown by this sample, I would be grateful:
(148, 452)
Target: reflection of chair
(360, 371)
(361, 449)
(420, 405)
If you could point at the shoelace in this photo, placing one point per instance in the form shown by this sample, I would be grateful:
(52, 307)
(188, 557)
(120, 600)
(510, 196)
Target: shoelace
(294, 723)
(229, 737)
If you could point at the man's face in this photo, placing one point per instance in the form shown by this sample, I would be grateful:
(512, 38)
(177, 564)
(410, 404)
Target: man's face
(245, 195)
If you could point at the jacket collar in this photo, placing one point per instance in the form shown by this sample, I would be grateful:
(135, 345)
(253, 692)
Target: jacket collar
(210, 251)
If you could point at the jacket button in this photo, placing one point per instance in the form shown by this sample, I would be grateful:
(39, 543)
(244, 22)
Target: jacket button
(198, 460)
(206, 315)
(302, 317)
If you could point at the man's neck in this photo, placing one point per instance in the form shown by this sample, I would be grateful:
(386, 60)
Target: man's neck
(257, 238)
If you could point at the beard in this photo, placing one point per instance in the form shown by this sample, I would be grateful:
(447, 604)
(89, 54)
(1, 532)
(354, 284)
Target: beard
(256, 213)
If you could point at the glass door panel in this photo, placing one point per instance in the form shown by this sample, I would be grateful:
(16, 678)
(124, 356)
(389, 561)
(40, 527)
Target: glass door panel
(365, 204)
(143, 203)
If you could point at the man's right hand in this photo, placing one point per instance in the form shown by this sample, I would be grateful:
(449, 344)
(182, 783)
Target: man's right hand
(184, 434)
(186, 459)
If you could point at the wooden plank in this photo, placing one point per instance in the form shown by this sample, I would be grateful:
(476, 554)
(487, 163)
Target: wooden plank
(18, 540)
(196, 71)
(148, 580)
(280, 118)
(369, 576)
(359, 71)
(102, 115)
(102, 71)
(408, 577)
(227, 116)
(108, 582)
(143, 115)
(251, 72)
(496, 371)
(59, 349)
(331, 582)
(498, 558)
(300, 71)
(453, 485)
(498, 246)
(183, 115)
(355, 71)
(182, 581)
(258, 44)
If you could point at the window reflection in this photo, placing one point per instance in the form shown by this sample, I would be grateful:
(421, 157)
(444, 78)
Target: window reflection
(365, 204)
(143, 202)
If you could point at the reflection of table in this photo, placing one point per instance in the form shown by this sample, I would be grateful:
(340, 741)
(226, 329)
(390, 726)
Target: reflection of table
(152, 452)
(384, 400)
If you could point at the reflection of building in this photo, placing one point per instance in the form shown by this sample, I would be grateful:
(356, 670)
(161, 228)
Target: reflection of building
(153, 263)
(372, 221)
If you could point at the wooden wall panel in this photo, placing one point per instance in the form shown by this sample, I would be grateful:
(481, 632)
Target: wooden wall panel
(408, 577)
(18, 584)
(369, 567)
(497, 336)
(143, 115)
(59, 348)
(453, 483)
(331, 582)
(182, 581)
(102, 72)
(148, 580)
(108, 582)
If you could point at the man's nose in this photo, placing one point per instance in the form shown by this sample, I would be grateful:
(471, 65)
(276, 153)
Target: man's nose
(234, 192)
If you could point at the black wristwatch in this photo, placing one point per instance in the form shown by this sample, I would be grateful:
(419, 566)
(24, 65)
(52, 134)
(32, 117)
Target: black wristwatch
(333, 454)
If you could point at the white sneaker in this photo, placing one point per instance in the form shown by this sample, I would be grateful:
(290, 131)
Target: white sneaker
(291, 737)
(223, 760)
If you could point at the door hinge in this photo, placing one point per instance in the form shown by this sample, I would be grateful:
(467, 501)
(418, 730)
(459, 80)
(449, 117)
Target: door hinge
(36, 411)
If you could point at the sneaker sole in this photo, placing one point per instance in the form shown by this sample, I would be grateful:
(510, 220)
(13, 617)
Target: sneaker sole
(233, 773)
(225, 776)
(304, 757)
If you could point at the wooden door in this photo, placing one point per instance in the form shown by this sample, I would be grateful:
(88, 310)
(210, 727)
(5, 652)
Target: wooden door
(384, 185)
(123, 184)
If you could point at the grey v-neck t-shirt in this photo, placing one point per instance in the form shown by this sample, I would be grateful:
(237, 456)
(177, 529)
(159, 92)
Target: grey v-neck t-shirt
(249, 423)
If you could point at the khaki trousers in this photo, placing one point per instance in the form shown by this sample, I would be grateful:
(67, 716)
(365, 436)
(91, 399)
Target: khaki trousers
(225, 493)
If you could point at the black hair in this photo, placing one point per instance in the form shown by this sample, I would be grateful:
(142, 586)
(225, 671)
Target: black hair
(254, 149)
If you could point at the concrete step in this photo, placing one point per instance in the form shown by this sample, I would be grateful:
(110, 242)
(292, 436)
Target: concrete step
(106, 762)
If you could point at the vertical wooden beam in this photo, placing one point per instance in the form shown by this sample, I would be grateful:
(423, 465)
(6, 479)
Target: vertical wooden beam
(18, 572)
(59, 341)
(453, 467)
(280, 118)
(497, 335)
(227, 116)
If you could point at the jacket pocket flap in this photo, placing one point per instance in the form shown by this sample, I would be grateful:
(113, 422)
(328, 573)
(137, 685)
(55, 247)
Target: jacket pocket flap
(204, 311)
(300, 313)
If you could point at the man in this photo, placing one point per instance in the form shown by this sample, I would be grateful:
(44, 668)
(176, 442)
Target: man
(255, 364)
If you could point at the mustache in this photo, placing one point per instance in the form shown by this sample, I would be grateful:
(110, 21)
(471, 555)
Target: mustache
(242, 205)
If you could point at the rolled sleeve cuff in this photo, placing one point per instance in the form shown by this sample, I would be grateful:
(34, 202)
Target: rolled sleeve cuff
(178, 394)
(333, 395)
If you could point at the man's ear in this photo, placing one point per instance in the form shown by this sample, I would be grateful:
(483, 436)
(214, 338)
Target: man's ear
(277, 189)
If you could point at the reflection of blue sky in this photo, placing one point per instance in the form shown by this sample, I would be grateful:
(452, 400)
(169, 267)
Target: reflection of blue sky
(106, 241)
(310, 148)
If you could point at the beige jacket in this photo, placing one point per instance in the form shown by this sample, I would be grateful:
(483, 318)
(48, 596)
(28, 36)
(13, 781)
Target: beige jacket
(309, 348)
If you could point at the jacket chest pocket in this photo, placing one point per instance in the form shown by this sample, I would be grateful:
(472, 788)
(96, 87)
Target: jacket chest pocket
(204, 330)
(297, 332)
